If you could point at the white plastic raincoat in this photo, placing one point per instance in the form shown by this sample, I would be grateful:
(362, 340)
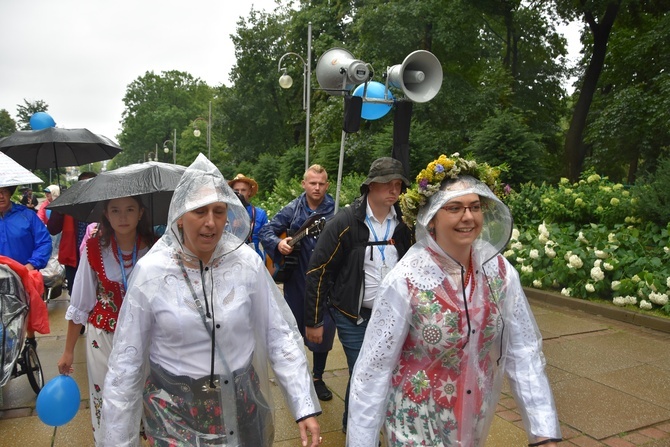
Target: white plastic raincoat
(193, 340)
(432, 364)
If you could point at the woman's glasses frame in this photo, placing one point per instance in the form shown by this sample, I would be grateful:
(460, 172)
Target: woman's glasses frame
(460, 209)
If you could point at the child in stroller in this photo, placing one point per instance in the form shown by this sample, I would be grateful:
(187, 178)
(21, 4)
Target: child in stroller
(17, 358)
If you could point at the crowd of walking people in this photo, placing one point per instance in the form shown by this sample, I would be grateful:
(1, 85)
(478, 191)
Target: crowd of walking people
(182, 328)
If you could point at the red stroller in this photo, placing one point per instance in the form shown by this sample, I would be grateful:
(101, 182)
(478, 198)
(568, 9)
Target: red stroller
(16, 357)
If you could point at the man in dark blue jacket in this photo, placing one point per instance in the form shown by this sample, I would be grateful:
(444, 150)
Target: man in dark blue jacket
(276, 238)
(356, 250)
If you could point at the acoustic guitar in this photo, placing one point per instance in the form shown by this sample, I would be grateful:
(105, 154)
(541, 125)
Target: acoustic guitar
(281, 271)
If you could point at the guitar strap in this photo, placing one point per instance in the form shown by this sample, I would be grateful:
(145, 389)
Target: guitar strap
(253, 224)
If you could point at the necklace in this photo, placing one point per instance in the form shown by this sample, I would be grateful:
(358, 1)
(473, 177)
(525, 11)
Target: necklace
(469, 276)
(128, 259)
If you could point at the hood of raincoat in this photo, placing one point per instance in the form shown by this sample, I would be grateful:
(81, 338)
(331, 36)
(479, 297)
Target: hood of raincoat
(497, 224)
(202, 184)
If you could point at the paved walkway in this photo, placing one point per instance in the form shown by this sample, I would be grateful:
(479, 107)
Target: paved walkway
(610, 379)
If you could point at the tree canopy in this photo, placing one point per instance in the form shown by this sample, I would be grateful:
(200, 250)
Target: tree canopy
(503, 95)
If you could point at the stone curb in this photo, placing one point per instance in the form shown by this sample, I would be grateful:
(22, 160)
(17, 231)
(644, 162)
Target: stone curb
(606, 310)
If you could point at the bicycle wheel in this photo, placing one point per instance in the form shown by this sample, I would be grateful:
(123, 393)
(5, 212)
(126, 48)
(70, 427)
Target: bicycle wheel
(33, 368)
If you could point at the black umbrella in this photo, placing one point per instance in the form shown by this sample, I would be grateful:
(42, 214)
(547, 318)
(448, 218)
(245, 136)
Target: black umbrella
(153, 181)
(54, 147)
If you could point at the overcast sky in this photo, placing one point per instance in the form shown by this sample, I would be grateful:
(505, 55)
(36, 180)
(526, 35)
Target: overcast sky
(79, 55)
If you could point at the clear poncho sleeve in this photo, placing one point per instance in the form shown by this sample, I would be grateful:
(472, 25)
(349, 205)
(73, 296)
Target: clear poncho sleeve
(286, 352)
(380, 353)
(124, 383)
(525, 363)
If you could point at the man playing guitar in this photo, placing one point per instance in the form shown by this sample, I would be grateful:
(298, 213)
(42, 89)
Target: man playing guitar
(290, 220)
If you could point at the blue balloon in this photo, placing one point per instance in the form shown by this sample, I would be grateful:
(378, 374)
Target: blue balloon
(374, 110)
(58, 401)
(41, 120)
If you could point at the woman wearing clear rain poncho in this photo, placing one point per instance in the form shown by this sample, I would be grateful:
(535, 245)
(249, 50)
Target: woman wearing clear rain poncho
(200, 322)
(449, 322)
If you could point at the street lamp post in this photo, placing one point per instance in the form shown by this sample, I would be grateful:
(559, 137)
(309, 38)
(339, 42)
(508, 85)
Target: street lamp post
(196, 131)
(166, 149)
(285, 81)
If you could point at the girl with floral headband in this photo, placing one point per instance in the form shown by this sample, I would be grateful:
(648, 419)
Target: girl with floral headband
(450, 322)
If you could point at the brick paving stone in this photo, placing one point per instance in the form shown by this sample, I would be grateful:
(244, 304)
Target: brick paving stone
(585, 441)
(664, 427)
(637, 438)
(569, 432)
(654, 433)
(616, 441)
(508, 402)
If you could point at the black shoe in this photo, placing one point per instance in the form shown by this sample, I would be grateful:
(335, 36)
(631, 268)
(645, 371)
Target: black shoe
(322, 391)
(344, 429)
(31, 341)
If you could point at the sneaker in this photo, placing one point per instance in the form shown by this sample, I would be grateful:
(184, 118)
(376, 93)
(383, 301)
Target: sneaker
(32, 341)
(322, 391)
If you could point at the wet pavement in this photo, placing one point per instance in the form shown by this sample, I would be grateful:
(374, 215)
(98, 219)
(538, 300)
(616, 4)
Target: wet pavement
(609, 370)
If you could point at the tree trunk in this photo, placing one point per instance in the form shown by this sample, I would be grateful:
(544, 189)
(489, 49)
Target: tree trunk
(575, 148)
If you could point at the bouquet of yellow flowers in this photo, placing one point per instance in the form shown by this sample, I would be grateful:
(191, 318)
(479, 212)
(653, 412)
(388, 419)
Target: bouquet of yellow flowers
(429, 180)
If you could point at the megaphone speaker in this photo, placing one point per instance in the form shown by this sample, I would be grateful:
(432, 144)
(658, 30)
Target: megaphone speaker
(337, 71)
(419, 76)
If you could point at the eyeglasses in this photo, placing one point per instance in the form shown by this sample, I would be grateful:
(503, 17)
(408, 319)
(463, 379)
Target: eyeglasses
(460, 209)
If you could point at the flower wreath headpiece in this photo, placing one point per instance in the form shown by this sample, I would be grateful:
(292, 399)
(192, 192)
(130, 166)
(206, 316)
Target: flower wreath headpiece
(428, 181)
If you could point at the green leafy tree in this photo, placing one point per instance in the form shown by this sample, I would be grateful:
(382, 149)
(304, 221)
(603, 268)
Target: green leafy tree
(506, 139)
(27, 109)
(628, 128)
(254, 109)
(599, 17)
(7, 124)
(156, 106)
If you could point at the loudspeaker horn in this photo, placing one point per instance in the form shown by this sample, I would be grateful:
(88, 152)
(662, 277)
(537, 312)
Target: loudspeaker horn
(419, 76)
(337, 71)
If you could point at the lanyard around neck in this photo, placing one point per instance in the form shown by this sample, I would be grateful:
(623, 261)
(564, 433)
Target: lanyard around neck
(381, 248)
(121, 263)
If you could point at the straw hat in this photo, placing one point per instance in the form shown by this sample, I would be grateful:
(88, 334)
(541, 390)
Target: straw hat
(253, 186)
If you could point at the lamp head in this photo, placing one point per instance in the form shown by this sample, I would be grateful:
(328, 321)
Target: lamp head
(196, 132)
(166, 149)
(285, 81)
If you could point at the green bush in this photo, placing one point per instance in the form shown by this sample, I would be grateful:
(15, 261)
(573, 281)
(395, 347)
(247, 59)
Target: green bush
(586, 240)
(653, 194)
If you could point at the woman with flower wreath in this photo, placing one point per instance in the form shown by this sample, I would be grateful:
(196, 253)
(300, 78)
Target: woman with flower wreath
(201, 323)
(99, 288)
(449, 322)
